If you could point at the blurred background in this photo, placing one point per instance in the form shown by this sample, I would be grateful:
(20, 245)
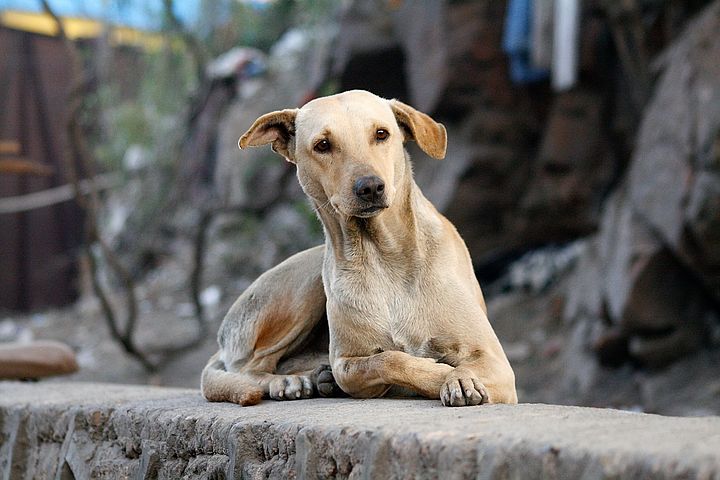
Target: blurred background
(583, 172)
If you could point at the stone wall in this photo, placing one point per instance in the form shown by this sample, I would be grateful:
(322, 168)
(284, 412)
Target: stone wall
(74, 430)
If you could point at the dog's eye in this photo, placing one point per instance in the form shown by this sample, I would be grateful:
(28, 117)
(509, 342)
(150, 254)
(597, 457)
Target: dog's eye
(381, 134)
(323, 146)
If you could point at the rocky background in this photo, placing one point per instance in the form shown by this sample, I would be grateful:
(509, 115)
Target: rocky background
(592, 215)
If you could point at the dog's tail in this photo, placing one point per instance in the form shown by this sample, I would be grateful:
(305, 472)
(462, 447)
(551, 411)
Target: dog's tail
(219, 385)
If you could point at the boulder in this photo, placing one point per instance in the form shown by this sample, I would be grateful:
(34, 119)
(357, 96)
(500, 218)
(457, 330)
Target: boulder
(506, 196)
(256, 178)
(655, 259)
(571, 173)
(674, 182)
(36, 360)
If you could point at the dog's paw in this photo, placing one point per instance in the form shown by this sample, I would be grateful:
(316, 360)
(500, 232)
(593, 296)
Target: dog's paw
(291, 387)
(325, 382)
(459, 392)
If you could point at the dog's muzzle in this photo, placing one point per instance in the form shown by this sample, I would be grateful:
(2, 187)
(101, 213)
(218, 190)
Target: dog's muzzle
(370, 189)
(370, 193)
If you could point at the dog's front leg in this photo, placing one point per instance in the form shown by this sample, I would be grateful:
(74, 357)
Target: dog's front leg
(479, 380)
(372, 376)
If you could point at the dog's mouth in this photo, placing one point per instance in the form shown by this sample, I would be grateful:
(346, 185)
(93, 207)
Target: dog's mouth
(370, 211)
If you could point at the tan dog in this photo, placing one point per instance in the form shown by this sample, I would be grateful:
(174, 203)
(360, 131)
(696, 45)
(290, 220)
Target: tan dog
(403, 305)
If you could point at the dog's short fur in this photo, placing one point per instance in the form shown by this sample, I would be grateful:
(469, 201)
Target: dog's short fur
(393, 284)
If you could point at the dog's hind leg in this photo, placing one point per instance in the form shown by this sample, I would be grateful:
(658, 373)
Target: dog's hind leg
(219, 385)
(272, 322)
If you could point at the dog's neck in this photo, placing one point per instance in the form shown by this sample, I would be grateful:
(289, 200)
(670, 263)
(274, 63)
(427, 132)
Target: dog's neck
(396, 235)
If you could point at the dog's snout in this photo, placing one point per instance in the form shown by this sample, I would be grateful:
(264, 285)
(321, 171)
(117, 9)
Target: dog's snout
(370, 188)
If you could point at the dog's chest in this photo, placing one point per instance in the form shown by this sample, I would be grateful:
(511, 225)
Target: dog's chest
(384, 312)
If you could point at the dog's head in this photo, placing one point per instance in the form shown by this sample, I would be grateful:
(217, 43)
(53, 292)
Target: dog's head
(348, 147)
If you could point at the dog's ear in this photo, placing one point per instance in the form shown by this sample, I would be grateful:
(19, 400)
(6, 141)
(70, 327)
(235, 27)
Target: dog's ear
(429, 135)
(277, 128)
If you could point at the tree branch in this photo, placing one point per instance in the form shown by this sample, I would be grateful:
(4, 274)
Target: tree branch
(80, 154)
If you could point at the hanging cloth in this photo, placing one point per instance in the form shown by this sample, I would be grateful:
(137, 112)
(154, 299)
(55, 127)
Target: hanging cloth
(516, 43)
(566, 44)
(541, 34)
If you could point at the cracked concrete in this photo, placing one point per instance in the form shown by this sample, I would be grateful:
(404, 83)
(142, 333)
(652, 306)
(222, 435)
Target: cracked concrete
(85, 430)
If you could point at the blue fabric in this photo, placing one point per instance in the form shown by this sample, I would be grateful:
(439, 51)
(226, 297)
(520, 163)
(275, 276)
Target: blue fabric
(516, 43)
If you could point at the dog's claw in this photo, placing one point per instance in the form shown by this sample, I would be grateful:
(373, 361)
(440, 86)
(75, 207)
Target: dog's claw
(460, 392)
(307, 387)
(291, 387)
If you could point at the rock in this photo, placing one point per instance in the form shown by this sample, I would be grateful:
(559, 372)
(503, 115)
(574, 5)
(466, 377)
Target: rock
(582, 361)
(185, 310)
(422, 34)
(571, 175)
(290, 228)
(111, 431)
(510, 195)
(538, 269)
(655, 259)
(518, 351)
(252, 177)
(631, 282)
(236, 61)
(248, 245)
(445, 62)
(703, 219)
(210, 296)
(9, 330)
(692, 382)
(486, 198)
(368, 55)
(267, 218)
(439, 179)
(37, 359)
(673, 181)
(257, 177)
(478, 66)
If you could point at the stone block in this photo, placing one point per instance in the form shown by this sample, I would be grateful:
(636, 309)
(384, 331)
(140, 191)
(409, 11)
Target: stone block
(74, 430)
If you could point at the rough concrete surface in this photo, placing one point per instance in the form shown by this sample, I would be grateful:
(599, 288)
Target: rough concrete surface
(76, 430)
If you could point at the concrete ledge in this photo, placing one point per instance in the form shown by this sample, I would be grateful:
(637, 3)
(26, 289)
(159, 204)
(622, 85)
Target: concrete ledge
(75, 430)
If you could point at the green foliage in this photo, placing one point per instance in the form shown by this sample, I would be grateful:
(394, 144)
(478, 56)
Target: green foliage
(168, 79)
(124, 125)
(312, 12)
(148, 120)
(225, 24)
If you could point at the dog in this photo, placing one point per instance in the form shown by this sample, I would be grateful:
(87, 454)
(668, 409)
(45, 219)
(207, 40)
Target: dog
(390, 301)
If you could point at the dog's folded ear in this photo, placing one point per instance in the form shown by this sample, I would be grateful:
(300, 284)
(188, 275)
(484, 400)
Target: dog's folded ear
(277, 128)
(429, 135)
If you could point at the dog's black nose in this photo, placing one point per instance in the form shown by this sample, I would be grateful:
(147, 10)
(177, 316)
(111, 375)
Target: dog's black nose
(369, 188)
